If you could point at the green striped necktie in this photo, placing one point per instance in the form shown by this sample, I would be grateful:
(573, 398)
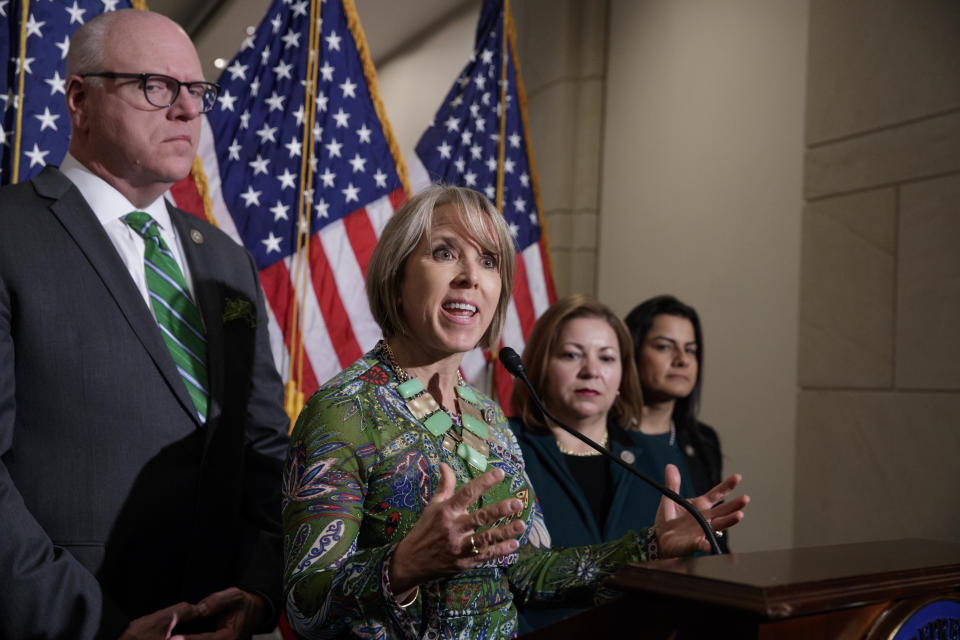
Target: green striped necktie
(177, 315)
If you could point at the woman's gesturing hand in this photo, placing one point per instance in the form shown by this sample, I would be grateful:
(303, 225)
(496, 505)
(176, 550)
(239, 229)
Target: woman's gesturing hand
(445, 541)
(678, 533)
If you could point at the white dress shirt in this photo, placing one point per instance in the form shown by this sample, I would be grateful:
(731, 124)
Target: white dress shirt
(110, 206)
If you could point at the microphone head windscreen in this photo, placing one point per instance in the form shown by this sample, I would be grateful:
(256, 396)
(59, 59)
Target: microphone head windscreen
(511, 361)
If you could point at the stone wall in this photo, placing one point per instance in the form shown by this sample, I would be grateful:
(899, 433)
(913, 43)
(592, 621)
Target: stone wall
(562, 47)
(878, 419)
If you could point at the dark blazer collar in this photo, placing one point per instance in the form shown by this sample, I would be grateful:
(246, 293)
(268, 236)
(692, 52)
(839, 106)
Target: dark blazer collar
(546, 446)
(207, 295)
(78, 219)
(621, 440)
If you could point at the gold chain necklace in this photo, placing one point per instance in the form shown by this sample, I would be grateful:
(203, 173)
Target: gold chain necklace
(471, 442)
(604, 441)
(401, 372)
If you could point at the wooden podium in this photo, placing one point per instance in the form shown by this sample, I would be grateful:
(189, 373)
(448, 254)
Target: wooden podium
(850, 591)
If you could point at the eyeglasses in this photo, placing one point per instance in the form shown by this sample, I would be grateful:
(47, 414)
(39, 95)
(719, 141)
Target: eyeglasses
(162, 91)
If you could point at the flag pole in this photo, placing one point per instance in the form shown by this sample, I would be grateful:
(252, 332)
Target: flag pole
(501, 156)
(501, 142)
(24, 17)
(294, 400)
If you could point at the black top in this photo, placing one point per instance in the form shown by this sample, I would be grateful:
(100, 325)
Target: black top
(592, 473)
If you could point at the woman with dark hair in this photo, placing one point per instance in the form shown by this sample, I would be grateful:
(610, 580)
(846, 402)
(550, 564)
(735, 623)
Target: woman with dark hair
(579, 358)
(669, 355)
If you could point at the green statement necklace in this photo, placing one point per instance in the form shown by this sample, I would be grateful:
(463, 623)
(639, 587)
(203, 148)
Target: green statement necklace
(471, 443)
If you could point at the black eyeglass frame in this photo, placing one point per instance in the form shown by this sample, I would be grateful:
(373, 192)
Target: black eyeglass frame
(143, 77)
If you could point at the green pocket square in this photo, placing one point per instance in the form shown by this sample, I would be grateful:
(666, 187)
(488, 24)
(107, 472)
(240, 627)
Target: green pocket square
(239, 309)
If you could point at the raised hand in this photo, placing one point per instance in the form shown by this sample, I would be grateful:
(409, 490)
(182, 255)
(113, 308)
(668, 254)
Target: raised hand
(445, 540)
(678, 533)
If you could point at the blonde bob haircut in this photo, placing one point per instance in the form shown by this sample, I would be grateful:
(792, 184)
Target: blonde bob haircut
(542, 344)
(480, 221)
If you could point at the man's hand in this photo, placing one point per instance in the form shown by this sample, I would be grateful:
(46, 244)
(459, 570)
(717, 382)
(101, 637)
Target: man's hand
(235, 615)
(159, 625)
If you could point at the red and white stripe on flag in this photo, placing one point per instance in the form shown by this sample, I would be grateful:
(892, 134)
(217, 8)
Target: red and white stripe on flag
(267, 135)
(479, 139)
(336, 322)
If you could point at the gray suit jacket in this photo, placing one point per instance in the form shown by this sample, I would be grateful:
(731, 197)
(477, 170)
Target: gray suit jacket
(114, 500)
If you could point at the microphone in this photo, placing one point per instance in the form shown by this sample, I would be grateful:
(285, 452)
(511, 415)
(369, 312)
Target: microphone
(514, 366)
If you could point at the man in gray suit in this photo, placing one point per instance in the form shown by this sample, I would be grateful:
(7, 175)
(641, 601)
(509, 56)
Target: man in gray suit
(139, 471)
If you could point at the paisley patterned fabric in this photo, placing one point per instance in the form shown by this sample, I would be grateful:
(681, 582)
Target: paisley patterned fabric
(359, 471)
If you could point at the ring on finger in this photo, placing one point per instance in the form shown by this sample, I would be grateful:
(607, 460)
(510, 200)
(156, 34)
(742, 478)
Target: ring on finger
(718, 534)
(473, 547)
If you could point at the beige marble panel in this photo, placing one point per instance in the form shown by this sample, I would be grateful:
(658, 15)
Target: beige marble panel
(574, 270)
(560, 40)
(912, 151)
(876, 466)
(543, 45)
(560, 262)
(873, 63)
(572, 230)
(559, 229)
(588, 142)
(585, 230)
(553, 118)
(583, 270)
(592, 19)
(846, 291)
(928, 285)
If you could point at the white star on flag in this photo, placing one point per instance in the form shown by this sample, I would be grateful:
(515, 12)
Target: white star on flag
(327, 126)
(462, 146)
(272, 243)
(37, 156)
(76, 13)
(47, 119)
(36, 46)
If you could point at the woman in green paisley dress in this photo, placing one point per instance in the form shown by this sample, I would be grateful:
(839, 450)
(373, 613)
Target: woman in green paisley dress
(406, 510)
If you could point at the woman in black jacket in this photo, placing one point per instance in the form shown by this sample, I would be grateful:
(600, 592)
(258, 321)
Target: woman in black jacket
(668, 343)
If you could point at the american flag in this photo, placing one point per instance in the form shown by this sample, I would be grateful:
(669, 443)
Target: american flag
(34, 40)
(479, 139)
(299, 141)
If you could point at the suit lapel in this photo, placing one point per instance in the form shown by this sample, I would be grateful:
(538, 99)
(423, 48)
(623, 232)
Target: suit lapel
(568, 484)
(78, 219)
(621, 479)
(208, 299)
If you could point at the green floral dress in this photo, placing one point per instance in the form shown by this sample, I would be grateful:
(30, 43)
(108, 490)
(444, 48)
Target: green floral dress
(359, 472)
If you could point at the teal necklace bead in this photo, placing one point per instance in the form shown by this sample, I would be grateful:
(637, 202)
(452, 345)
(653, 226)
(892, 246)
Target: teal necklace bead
(473, 457)
(475, 426)
(439, 422)
(467, 394)
(410, 388)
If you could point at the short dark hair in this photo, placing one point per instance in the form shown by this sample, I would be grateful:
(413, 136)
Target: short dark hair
(640, 321)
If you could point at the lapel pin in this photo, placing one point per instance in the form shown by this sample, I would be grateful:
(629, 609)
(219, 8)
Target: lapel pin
(489, 415)
(196, 236)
